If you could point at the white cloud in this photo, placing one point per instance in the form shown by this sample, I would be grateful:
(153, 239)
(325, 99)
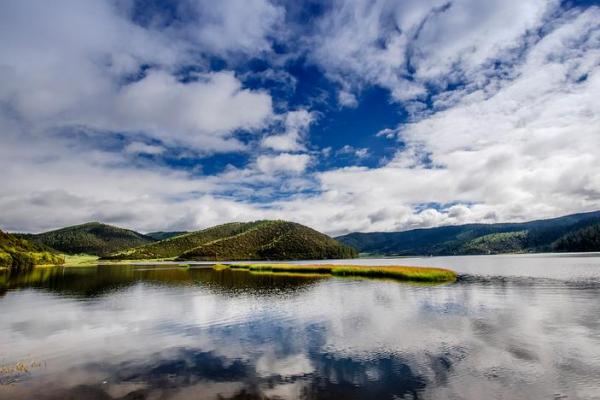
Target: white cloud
(511, 144)
(518, 149)
(71, 64)
(296, 124)
(387, 133)
(347, 99)
(231, 25)
(382, 42)
(351, 150)
(143, 148)
(202, 114)
(362, 152)
(285, 162)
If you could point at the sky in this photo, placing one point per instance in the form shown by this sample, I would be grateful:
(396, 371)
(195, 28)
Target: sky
(363, 115)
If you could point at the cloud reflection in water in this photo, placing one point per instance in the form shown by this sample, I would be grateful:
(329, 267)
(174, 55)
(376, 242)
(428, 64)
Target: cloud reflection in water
(183, 334)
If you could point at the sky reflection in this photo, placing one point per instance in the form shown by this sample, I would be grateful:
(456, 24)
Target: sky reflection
(204, 334)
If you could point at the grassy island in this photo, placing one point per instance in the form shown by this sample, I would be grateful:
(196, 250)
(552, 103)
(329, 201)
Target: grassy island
(401, 273)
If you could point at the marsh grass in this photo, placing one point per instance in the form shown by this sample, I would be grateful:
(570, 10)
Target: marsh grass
(80, 260)
(10, 374)
(400, 273)
(88, 260)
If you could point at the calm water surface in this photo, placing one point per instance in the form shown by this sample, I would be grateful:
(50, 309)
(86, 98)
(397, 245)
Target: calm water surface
(513, 327)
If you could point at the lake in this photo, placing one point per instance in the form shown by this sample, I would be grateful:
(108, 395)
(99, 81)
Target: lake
(512, 327)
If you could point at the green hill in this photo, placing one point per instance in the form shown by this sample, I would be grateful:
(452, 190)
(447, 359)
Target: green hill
(18, 254)
(556, 234)
(272, 240)
(496, 243)
(91, 238)
(164, 235)
(177, 245)
(267, 240)
(585, 239)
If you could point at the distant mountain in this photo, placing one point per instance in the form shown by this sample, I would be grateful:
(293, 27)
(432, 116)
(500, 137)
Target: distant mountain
(584, 239)
(265, 240)
(21, 255)
(91, 238)
(556, 234)
(164, 235)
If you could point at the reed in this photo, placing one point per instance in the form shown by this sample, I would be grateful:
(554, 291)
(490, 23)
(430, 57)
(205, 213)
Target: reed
(401, 273)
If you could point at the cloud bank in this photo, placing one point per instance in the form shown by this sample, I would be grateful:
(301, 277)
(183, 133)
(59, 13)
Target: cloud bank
(123, 114)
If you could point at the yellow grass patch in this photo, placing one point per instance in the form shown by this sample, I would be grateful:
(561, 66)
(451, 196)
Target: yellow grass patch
(402, 273)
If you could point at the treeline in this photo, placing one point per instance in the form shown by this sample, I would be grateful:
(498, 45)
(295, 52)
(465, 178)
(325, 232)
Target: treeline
(585, 239)
(570, 233)
(91, 238)
(264, 240)
(175, 246)
(20, 255)
(272, 240)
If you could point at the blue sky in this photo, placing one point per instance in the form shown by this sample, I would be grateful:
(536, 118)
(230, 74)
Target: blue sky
(343, 115)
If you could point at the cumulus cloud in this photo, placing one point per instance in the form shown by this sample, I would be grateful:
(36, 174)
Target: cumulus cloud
(403, 46)
(512, 138)
(361, 152)
(233, 26)
(519, 148)
(296, 124)
(285, 162)
(89, 59)
(201, 114)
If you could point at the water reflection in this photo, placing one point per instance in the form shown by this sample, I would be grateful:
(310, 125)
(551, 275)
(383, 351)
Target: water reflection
(140, 333)
(99, 280)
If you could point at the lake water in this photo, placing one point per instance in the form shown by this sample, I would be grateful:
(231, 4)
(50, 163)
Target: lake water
(513, 327)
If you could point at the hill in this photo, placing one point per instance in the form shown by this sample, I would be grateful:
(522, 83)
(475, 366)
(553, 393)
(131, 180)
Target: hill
(164, 235)
(585, 239)
(175, 246)
(18, 254)
(91, 238)
(268, 240)
(272, 240)
(534, 236)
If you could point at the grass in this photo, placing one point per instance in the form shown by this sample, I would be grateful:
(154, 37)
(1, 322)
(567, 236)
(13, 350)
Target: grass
(87, 260)
(80, 260)
(220, 267)
(401, 273)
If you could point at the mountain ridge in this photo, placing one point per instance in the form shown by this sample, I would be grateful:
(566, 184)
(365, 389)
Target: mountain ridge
(243, 241)
(272, 240)
(540, 235)
(91, 238)
(162, 235)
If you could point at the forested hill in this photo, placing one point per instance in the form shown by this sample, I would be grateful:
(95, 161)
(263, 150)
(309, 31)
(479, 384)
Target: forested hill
(91, 238)
(21, 255)
(264, 240)
(577, 232)
(164, 235)
(272, 240)
(584, 239)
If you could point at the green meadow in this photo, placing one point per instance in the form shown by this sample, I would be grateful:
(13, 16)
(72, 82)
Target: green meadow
(400, 273)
